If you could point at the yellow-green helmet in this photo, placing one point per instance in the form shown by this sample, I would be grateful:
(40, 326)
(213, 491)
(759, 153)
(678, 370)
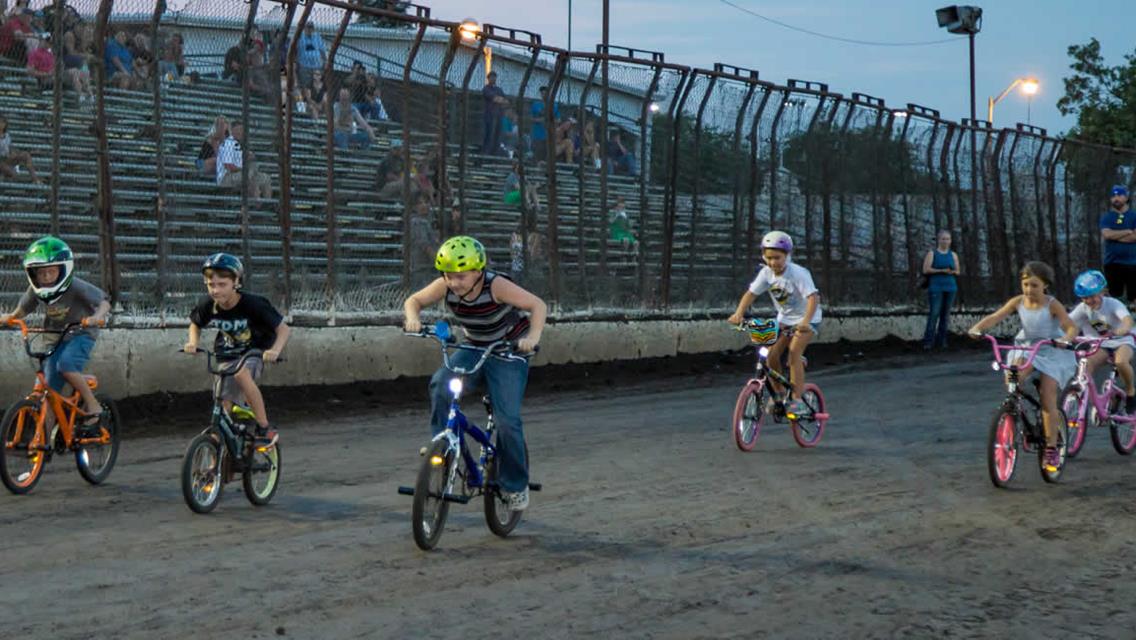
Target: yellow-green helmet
(460, 253)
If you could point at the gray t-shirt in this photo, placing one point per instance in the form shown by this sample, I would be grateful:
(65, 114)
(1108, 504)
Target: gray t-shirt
(79, 301)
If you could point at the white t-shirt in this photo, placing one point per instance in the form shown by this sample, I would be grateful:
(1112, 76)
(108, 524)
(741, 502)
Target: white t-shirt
(1093, 323)
(228, 153)
(790, 292)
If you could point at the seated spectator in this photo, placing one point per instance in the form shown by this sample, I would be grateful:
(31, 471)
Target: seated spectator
(423, 242)
(76, 57)
(233, 67)
(119, 62)
(230, 164)
(422, 178)
(619, 226)
(588, 145)
(172, 65)
(16, 30)
(315, 96)
(620, 158)
(17, 7)
(311, 54)
(391, 176)
(12, 158)
(351, 129)
(207, 157)
(562, 138)
(539, 135)
(41, 63)
(259, 75)
(356, 83)
(143, 69)
(510, 133)
(513, 188)
(373, 101)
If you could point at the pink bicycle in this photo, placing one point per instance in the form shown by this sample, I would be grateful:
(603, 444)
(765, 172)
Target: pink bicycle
(750, 408)
(1012, 430)
(1086, 407)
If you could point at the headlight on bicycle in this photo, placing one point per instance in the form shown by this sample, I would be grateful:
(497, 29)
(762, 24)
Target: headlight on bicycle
(456, 386)
(763, 352)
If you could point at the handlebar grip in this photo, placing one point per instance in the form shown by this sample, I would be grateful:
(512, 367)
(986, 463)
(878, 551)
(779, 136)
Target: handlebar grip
(87, 322)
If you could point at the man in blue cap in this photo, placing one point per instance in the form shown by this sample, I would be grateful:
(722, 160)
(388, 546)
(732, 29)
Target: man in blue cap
(1118, 229)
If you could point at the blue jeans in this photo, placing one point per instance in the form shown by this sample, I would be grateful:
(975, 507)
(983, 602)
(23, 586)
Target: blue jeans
(70, 357)
(940, 303)
(505, 382)
(359, 138)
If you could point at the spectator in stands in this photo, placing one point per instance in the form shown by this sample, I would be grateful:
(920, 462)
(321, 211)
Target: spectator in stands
(144, 63)
(621, 159)
(16, 30)
(230, 164)
(119, 62)
(76, 55)
(356, 83)
(455, 218)
(351, 129)
(17, 7)
(539, 134)
(423, 243)
(172, 65)
(510, 133)
(207, 157)
(311, 54)
(373, 108)
(315, 96)
(260, 81)
(12, 158)
(390, 176)
(619, 226)
(41, 63)
(517, 254)
(513, 188)
(493, 108)
(588, 145)
(565, 148)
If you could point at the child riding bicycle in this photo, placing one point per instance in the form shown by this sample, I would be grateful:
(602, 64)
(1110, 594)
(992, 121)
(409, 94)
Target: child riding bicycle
(1099, 315)
(797, 300)
(65, 299)
(1042, 317)
(489, 307)
(243, 321)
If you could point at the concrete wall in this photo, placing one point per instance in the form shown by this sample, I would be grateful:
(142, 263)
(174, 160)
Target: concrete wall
(133, 362)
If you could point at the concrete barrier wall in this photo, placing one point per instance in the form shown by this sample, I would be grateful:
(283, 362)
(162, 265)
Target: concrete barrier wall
(137, 361)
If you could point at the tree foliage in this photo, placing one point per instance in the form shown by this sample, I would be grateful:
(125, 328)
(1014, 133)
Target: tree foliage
(383, 21)
(828, 160)
(716, 166)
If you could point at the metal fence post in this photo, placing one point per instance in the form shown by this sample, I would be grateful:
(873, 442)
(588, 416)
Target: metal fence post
(105, 202)
(550, 157)
(670, 204)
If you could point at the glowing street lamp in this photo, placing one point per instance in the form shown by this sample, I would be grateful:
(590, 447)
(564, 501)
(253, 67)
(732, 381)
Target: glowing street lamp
(469, 29)
(1029, 87)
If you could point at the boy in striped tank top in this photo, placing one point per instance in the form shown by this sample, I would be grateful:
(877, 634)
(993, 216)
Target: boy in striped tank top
(489, 307)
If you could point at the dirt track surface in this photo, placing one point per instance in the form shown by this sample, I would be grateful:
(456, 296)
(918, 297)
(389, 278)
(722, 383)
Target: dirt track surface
(651, 525)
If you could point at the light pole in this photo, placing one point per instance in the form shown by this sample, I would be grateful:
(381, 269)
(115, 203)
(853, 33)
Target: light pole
(1029, 88)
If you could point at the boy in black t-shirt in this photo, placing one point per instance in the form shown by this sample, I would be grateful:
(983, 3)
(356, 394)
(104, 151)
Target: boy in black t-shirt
(243, 321)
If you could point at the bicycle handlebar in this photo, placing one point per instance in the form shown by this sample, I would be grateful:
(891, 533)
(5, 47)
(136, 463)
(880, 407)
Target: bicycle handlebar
(211, 357)
(26, 332)
(1031, 350)
(504, 349)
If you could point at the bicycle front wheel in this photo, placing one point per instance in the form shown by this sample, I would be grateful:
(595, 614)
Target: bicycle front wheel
(500, 518)
(1078, 424)
(429, 511)
(96, 459)
(1002, 448)
(808, 428)
(201, 480)
(262, 475)
(21, 464)
(749, 413)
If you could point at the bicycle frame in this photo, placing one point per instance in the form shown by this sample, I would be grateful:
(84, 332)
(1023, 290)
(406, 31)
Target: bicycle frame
(1101, 400)
(1014, 393)
(220, 420)
(763, 373)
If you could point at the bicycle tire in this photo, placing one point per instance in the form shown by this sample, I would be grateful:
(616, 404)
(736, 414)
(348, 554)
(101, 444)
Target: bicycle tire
(98, 474)
(212, 482)
(1062, 447)
(1123, 436)
(261, 497)
(427, 534)
(748, 407)
(495, 505)
(20, 480)
(1002, 448)
(808, 431)
(1078, 427)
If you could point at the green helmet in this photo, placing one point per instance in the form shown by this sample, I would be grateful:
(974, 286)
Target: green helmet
(460, 253)
(49, 251)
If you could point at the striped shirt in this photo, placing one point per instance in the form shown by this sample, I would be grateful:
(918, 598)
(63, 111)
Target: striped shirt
(228, 153)
(483, 319)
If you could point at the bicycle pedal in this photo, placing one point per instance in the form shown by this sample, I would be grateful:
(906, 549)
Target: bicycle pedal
(534, 486)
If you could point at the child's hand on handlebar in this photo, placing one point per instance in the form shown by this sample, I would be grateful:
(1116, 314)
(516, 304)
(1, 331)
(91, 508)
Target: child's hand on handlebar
(735, 319)
(412, 325)
(271, 355)
(527, 344)
(190, 348)
(804, 327)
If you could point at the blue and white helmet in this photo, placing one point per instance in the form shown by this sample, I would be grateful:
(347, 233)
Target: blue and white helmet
(1089, 283)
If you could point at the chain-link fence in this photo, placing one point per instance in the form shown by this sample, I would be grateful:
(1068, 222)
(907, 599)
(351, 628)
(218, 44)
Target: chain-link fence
(333, 144)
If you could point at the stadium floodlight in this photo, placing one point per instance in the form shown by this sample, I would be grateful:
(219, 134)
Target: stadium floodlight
(956, 19)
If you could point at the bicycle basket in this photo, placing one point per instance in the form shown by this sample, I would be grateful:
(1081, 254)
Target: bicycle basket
(763, 332)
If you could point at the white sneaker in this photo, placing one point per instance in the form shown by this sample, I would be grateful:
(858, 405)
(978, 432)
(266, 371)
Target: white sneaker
(518, 501)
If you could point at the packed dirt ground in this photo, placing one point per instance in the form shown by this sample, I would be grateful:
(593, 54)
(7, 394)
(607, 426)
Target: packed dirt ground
(651, 523)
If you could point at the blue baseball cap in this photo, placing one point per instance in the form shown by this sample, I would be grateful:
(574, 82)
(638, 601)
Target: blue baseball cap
(1118, 190)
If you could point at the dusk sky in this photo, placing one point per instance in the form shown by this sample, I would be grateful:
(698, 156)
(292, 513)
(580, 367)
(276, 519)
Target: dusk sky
(1018, 38)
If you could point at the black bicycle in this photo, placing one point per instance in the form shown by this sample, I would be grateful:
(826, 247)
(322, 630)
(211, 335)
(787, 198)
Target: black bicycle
(228, 447)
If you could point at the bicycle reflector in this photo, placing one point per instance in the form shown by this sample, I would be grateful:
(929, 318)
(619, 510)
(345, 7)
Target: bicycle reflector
(763, 331)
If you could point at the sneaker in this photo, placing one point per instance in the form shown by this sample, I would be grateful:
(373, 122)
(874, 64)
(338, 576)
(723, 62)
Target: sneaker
(517, 501)
(266, 437)
(1052, 459)
(773, 406)
(1130, 405)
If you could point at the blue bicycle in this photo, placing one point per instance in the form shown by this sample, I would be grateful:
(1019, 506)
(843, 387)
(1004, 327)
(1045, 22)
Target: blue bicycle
(450, 472)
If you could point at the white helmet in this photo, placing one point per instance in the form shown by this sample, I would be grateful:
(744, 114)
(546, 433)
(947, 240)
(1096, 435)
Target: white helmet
(777, 240)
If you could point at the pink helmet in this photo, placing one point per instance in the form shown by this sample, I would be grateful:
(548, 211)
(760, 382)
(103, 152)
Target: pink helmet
(777, 240)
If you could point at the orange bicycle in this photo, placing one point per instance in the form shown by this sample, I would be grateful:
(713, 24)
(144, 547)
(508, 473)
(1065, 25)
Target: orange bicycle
(27, 447)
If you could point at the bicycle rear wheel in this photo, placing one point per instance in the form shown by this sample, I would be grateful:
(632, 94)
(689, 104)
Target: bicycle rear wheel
(262, 475)
(1123, 436)
(429, 511)
(1078, 425)
(749, 414)
(1062, 450)
(201, 480)
(21, 464)
(1002, 448)
(95, 460)
(808, 429)
(500, 518)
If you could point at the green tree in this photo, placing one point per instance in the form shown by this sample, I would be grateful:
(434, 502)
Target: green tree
(828, 160)
(715, 166)
(384, 22)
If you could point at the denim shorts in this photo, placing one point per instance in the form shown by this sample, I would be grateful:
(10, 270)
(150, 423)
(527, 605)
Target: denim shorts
(69, 357)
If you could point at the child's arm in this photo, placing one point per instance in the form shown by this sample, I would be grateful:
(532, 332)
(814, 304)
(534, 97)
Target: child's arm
(810, 309)
(1058, 311)
(989, 321)
(739, 314)
(429, 295)
(510, 293)
(283, 331)
(194, 337)
(101, 312)
(1125, 324)
(15, 315)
